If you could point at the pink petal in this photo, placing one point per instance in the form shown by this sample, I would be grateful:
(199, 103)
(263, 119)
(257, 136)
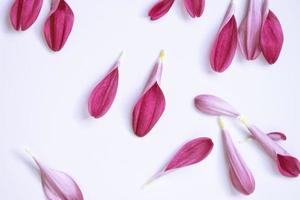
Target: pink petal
(23, 13)
(225, 45)
(241, 177)
(276, 136)
(58, 25)
(288, 165)
(160, 9)
(271, 36)
(194, 7)
(249, 30)
(58, 185)
(151, 104)
(213, 105)
(104, 93)
(191, 153)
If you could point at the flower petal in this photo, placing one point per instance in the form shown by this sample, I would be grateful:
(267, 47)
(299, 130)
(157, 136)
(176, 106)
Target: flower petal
(276, 136)
(288, 165)
(23, 13)
(271, 36)
(104, 93)
(58, 25)
(213, 105)
(160, 9)
(225, 45)
(151, 104)
(195, 8)
(249, 30)
(240, 175)
(58, 185)
(191, 153)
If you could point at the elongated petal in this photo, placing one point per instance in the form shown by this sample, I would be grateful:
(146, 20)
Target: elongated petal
(195, 8)
(276, 136)
(241, 177)
(23, 13)
(249, 30)
(191, 153)
(213, 105)
(160, 9)
(225, 44)
(271, 36)
(58, 185)
(104, 93)
(150, 105)
(58, 25)
(287, 165)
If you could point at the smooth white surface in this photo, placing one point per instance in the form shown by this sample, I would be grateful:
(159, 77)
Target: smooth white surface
(44, 95)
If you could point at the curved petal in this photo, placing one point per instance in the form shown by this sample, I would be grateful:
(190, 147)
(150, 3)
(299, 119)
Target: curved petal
(225, 44)
(160, 9)
(271, 37)
(249, 30)
(195, 8)
(23, 13)
(276, 136)
(104, 93)
(151, 104)
(191, 153)
(288, 165)
(58, 25)
(213, 105)
(240, 175)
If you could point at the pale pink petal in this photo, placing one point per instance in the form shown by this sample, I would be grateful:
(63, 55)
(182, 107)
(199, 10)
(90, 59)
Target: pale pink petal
(276, 136)
(58, 185)
(58, 25)
(160, 9)
(195, 8)
(213, 105)
(23, 13)
(271, 36)
(150, 105)
(287, 165)
(225, 44)
(249, 30)
(104, 93)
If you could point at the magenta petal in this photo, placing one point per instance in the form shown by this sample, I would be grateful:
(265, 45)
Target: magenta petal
(191, 153)
(160, 9)
(58, 185)
(241, 177)
(288, 165)
(276, 136)
(271, 37)
(23, 13)
(104, 93)
(249, 30)
(213, 105)
(195, 8)
(225, 44)
(151, 104)
(58, 25)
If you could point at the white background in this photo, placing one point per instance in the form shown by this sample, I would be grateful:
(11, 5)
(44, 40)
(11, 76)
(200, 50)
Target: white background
(43, 103)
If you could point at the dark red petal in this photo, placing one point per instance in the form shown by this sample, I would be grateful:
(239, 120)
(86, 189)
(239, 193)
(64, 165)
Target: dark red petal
(148, 110)
(58, 25)
(160, 9)
(191, 153)
(224, 47)
(195, 8)
(104, 94)
(23, 13)
(271, 38)
(288, 165)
